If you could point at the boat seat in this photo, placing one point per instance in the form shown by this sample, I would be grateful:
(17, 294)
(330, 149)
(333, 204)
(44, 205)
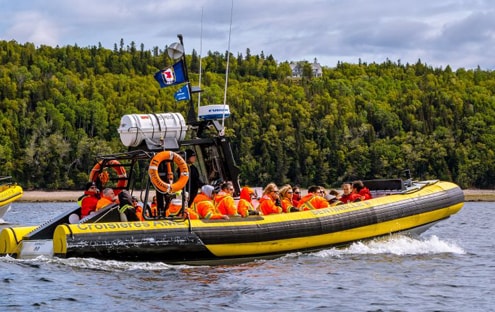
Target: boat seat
(381, 187)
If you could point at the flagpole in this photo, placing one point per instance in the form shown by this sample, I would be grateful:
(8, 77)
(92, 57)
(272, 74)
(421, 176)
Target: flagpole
(191, 115)
(227, 72)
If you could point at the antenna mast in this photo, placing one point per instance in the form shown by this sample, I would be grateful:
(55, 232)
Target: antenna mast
(200, 59)
(227, 73)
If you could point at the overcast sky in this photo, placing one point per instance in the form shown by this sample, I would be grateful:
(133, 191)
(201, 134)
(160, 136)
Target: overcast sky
(439, 32)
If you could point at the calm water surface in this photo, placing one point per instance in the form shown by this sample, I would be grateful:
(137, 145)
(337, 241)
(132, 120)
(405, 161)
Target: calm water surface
(450, 268)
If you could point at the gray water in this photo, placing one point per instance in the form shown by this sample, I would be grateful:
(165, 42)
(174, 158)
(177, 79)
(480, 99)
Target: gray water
(449, 268)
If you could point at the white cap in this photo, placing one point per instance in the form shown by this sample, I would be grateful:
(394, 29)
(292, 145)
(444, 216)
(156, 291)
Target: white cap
(207, 190)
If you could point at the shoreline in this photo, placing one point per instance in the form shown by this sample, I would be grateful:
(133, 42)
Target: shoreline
(470, 195)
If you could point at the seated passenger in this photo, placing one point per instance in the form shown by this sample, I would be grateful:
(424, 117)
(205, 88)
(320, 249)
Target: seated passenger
(175, 207)
(333, 198)
(89, 199)
(203, 206)
(334, 193)
(286, 195)
(137, 208)
(346, 189)
(108, 197)
(359, 192)
(313, 200)
(152, 212)
(126, 207)
(270, 201)
(245, 204)
(296, 197)
(224, 201)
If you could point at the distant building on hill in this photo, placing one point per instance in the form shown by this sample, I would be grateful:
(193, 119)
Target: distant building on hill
(297, 68)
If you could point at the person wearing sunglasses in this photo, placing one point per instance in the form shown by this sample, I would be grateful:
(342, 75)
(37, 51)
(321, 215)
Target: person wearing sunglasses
(286, 195)
(270, 201)
(296, 197)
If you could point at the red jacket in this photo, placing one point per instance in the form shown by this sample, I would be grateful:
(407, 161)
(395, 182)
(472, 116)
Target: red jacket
(88, 203)
(345, 198)
(363, 194)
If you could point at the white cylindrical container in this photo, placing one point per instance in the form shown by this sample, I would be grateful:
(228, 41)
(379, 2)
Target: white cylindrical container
(135, 128)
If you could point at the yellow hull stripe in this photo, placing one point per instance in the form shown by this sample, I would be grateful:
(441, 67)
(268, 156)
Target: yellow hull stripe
(292, 244)
(10, 194)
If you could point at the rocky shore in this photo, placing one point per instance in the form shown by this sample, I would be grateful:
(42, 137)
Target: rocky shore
(71, 196)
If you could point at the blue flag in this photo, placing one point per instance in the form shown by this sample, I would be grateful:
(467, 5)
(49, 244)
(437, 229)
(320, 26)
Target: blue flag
(182, 94)
(171, 75)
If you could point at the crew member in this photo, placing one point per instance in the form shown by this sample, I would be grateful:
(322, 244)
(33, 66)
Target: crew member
(194, 182)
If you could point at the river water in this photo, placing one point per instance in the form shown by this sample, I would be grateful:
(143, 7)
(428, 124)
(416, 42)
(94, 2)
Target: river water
(451, 267)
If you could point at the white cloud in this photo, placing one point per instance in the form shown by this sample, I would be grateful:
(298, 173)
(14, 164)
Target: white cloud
(444, 32)
(32, 26)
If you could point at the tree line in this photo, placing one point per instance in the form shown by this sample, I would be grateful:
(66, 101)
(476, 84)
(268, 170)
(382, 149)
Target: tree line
(61, 106)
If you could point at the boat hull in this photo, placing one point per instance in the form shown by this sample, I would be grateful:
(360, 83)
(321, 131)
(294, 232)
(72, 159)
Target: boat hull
(260, 236)
(8, 194)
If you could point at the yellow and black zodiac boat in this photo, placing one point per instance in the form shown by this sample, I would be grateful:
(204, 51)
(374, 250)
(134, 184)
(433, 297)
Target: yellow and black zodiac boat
(155, 144)
(411, 209)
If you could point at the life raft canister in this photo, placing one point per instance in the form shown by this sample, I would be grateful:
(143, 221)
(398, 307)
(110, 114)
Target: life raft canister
(96, 174)
(156, 180)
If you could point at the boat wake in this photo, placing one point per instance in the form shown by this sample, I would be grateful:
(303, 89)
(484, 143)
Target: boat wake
(96, 264)
(398, 245)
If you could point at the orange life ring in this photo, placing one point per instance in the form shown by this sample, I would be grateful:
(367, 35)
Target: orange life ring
(96, 174)
(163, 186)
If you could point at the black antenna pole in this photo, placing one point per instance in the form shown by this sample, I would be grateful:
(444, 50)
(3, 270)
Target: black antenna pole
(191, 115)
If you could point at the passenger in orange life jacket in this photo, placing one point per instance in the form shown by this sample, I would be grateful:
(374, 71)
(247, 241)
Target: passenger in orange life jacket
(89, 199)
(153, 208)
(108, 197)
(245, 204)
(286, 195)
(359, 192)
(270, 201)
(203, 207)
(138, 209)
(224, 201)
(313, 200)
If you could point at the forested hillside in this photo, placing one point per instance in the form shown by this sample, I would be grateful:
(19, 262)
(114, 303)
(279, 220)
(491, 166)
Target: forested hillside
(60, 107)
